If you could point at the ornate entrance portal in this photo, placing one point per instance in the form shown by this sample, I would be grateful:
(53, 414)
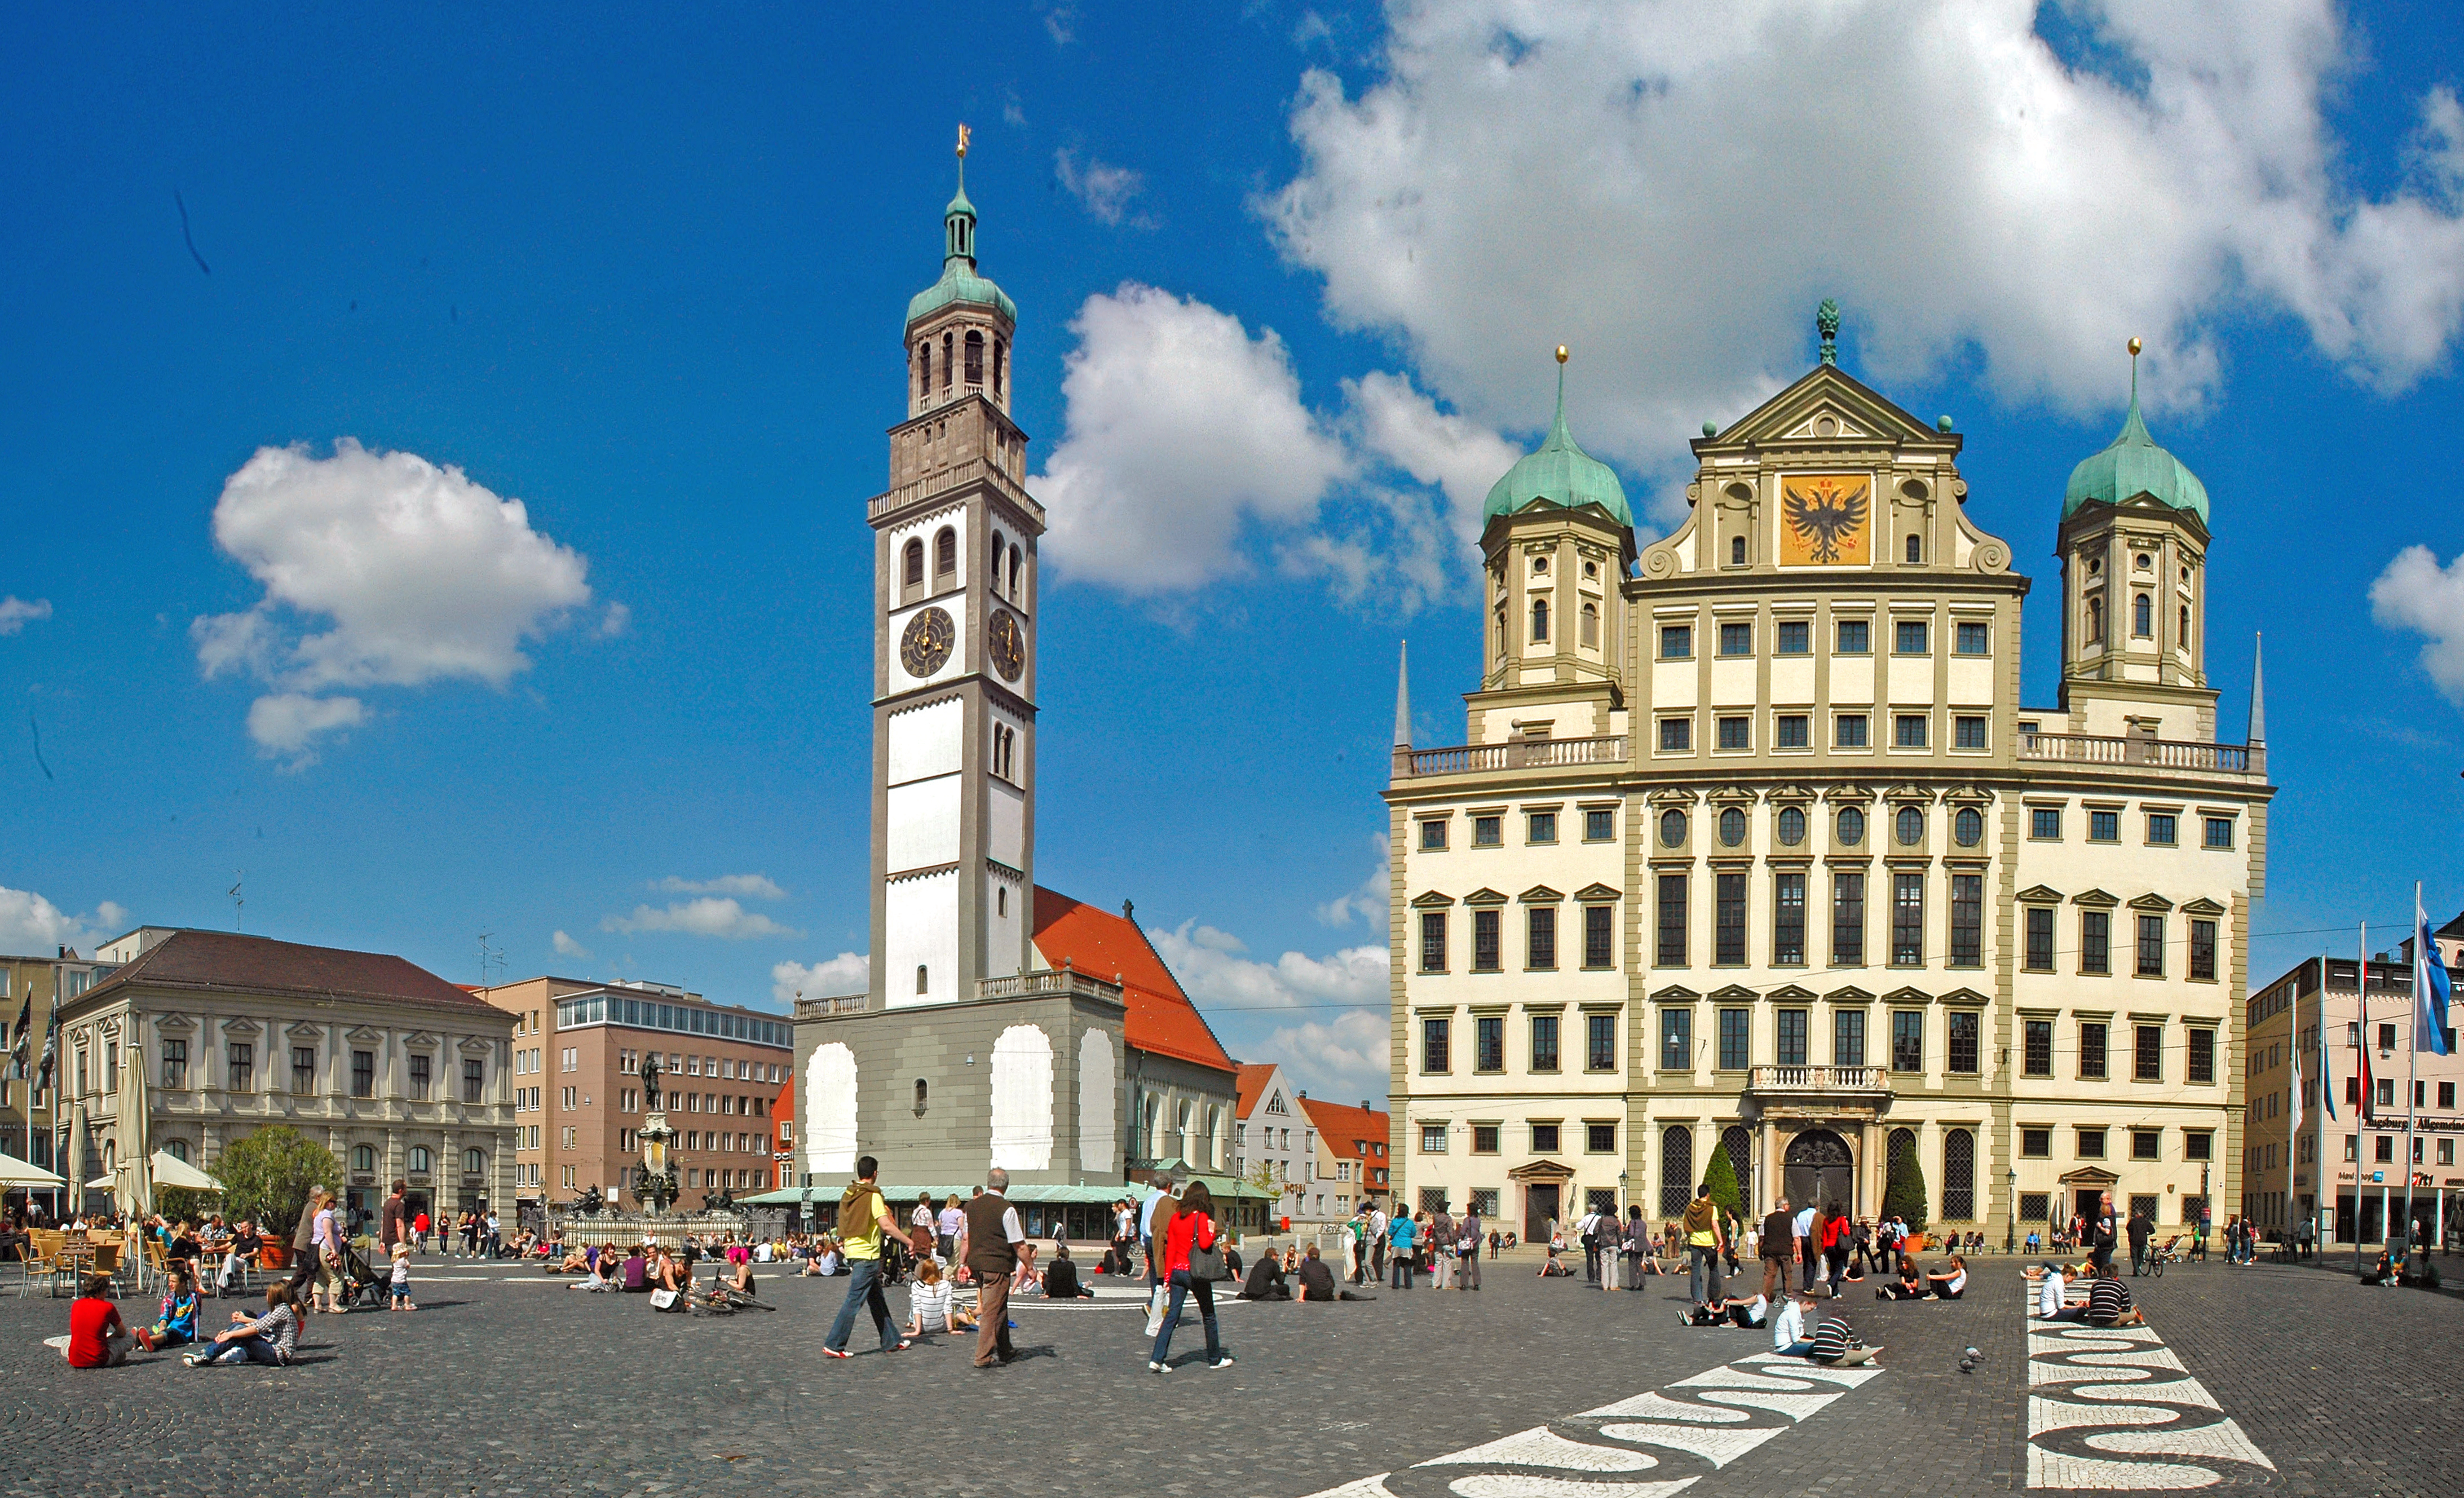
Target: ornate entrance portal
(1820, 1171)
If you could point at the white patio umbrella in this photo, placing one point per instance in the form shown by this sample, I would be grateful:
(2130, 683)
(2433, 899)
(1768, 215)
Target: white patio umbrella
(167, 1170)
(15, 1173)
(134, 1179)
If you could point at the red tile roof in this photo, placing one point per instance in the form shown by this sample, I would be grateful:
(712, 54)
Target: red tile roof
(1160, 1017)
(1253, 1083)
(226, 959)
(1346, 1129)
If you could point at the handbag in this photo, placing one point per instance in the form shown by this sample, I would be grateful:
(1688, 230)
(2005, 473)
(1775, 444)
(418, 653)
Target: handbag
(1207, 1264)
(661, 1299)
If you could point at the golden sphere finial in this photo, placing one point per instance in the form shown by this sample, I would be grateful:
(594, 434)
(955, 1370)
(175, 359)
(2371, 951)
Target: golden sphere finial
(1561, 353)
(2134, 348)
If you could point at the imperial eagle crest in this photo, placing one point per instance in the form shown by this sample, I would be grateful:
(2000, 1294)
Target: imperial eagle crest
(1826, 519)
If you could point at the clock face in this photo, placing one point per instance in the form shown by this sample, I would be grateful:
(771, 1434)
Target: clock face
(925, 648)
(1006, 644)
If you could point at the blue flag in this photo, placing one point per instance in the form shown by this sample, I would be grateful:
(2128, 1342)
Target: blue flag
(2430, 1031)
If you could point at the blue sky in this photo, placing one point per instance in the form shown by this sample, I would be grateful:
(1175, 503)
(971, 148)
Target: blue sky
(1287, 280)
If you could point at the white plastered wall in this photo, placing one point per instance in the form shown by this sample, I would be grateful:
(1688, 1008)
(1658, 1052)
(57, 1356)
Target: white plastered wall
(1022, 1099)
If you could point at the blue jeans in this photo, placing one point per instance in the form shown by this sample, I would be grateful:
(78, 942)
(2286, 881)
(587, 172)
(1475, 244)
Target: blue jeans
(1803, 1349)
(246, 1350)
(1706, 1273)
(863, 1286)
(1402, 1264)
(1181, 1287)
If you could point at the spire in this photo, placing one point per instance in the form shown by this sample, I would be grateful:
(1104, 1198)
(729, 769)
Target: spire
(2134, 428)
(2257, 689)
(958, 219)
(1403, 696)
(1826, 322)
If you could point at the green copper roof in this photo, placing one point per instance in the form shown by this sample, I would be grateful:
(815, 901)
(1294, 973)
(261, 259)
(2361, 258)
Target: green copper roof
(959, 282)
(1559, 473)
(2134, 465)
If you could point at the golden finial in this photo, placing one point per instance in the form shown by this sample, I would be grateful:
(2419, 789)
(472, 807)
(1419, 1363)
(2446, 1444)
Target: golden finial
(2134, 348)
(964, 132)
(1561, 353)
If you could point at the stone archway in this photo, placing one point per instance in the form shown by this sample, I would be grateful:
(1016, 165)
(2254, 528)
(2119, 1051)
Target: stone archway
(1819, 1170)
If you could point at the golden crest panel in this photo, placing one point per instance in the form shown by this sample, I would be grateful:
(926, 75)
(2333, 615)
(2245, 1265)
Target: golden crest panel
(1826, 520)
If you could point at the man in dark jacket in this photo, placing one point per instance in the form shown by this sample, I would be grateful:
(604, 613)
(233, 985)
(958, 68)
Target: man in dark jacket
(390, 1224)
(303, 1249)
(2140, 1231)
(993, 1237)
(1778, 1247)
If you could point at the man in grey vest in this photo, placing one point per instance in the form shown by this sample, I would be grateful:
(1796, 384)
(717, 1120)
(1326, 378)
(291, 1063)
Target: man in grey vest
(1467, 1236)
(993, 1237)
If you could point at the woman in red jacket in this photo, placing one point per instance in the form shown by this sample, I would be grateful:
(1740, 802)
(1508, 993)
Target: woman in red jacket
(1834, 1245)
(1191, 1227)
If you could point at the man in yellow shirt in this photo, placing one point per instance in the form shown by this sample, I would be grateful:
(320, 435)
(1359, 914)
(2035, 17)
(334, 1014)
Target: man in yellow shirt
(1702, 1230)
(864, 1222)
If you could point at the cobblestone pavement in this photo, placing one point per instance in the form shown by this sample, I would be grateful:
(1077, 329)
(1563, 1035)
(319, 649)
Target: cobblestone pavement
(507, 1383)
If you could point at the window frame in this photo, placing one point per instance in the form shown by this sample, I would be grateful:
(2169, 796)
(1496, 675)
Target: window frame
(1599, 938)
(1488, 1045)
(1676, 734)
(1670, 920)
(2044, 823)
(1437, 1045)
(1433, 941)
(1901, 630)
(1677, 1037)
(1540, 938)
(1792, 637)
(1680, 634)
(1911, 730)
(1862, 626)
(2095, 1050)
(1967, 631)
(2037, 1048)
(1433, 834)
(1599, 1043)
(1488, 941)
(1735, 1051)
(1543, 1033)
(1736, 639)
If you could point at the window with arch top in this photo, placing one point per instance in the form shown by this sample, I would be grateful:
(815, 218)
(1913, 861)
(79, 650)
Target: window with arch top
(975, 357)
(2096, 621)
(1012, 571)
(915, 563)
(945, 552)
(923, 978)
(1001, 363)
(1737, 551)
(2143, 616)
(2184, 641)
(1592, 625)
(923, 367)
(996, 577)
(949, 359)
(364, 1157)
(1915, 548)
(1539, 621)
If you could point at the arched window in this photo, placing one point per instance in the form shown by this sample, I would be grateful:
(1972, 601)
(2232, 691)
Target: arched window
(949, 359)
(1672, 832)
(2184, 639)
(1000, 363)
(2096, 621)
(975, 357)
(1737, 551)
(1592, 625)
(1733, 826)
(2143, 616)
(177, 1149)
(1967, 829)
(923, 369)
(945, 552)
(921, 1092)
(474, 1163)
(1739, 1142)
(1500, 628)
(1676, 1170)
(996, 562)
(1792, 826)
(1911, 826)
(1012, 571)
(364, 1157)
(421, 1160)
(1916, 547)
(923, 978)
(1959, 1175)
(915, 563)
(1539, 621)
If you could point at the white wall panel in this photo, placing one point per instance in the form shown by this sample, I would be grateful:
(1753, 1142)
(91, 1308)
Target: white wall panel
(923, 824)
(920, 921)
(828, 1093)
(1005, 925)
(1022, 1099)
(1852, 679)
(1099, 1150)
(1005, 825)
(925, 741)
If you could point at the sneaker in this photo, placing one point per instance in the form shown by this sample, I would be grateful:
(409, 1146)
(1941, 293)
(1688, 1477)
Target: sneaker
(832, 1352)
(1223, 1361)
(194, 1359)
(1158, 1367)
(903, 1345)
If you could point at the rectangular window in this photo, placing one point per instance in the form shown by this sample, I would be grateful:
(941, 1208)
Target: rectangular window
(1728, 949)
(1962, 1032)
(475, 1080)
(2096, 934)
(2036, 1144)
(1676, 642)
(1544, 1138)
(1677, 1040)
(1540, 826)
(1907, 1040)
(240, 1060)
(1599, 1138)
(1736, 639)
(1671, 922)
(303, 1070)
(1437, 1037)
(1484, 1138)
(2041, 938)
(1974, 639)
(2151, 946)
(2105, 827)
(1849, 730)
(2092, 1052)
(2446, 1095)
(2036, 1053)
(1847, 1037)
(1790, 1030)
(420, 1078)
(1600, 827)
(1968, 732)
(1484, 941)
(1908, 731)
(1599, 1043)
(2219, 833)
(1907, 920)
(1788, 919)
(2045, 822)
(1856, 637)
(1488, 831)
(1544, 1042)
(1908, 637)
(1676, 735)
(2147, 1053)
(1736, 1031)
(1791, 731)
(1796, 638)
(1433, 835)
(2202, 950)
(1599, 935)
(1736, 733)
(1966, 920)
(1433, 1142)
(2091, 1144)
(363, 1073)
(1433, 941)
(175, 1064)
(2198, 1144)
(2162, 828)
(1488, 1043)
(1848, 919)
(1541, 934)
(2146, 1144)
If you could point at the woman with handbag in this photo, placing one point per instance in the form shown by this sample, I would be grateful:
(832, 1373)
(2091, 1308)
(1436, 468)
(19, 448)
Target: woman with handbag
(1193, 1261)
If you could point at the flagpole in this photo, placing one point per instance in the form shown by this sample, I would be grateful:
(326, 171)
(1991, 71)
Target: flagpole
(2412, 1078)
(2321, 1197)
(2361, 1081)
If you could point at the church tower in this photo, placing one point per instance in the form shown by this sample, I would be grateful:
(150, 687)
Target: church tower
(953, 656)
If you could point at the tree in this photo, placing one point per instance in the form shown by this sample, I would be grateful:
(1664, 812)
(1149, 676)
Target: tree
(1720, 1178)
(181, 1205)
(1904, 1192)
(266, 1177)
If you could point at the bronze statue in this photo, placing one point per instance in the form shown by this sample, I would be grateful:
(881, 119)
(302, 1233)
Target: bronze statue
(650, 1084)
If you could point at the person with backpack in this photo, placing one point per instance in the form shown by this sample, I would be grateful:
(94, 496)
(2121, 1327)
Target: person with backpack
(865, 1221)
(1702, 1227)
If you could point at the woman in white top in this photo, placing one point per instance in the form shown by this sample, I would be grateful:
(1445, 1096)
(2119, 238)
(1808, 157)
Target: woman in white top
(930, 1306)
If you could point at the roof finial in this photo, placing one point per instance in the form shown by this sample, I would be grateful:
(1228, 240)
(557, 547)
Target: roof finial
(2257, 734)
(1826, 322)
(963, 134)
(1557, 432)
(1403, 696)
(2134, 371)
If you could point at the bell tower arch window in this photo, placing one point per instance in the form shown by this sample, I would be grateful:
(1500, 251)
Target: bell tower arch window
(994, 579)
(2096, 621)
(975, 357)
(945, 553)
(923, 369)
(1000, 365)
(949, 361)
(1591, 626)
(2143, 617)
(1539, 621)
(915, 563)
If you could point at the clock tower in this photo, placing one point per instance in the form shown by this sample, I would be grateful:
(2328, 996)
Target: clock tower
(954, 654)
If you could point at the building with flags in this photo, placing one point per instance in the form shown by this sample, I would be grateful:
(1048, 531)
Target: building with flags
(30, 988)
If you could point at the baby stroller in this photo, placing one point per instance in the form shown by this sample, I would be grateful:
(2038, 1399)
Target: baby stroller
(362, 1286)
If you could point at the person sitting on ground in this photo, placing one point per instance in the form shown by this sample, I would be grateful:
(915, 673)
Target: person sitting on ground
(1835, 1344)
(737, 1278)
(2052, 1303)
(599, 1274)
(270, 1339)
(177, 1325)
(1905, 1287)
(576, 1261)
(1026, 1279)
(1952, 1282)
(2383, 1272)
(1748, 1313)
(1712, 1312)
(931, 1305)
(1317, 1280)
(667, 1275)
(1553, 1266)
(98, 1338)
(1266, 1280)
(1061, 1279)
(1788, 1327)
(2108, 1302)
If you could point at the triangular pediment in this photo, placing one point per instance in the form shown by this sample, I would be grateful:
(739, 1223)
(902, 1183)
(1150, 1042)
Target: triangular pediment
(1431, 899)
(1735, 991)
(1826, 424)
(2038, 894)
(1795, 417)
(361, 1035)
(1789, 793)
(1483, 897)
(242, 1028)
(1541, 894)
(1732, 796)
(174, 1024)
(1857, 794)
(1907, 995)
(1541, 1170)
(1675, 993)
(2087, 1176)
(1851, 994)
(1912, 791)
(1672, 796)
(2152, 902)
(1791, 991)
(1965, 996)
(1594, 893)
(2096, 897)
(2203, 906)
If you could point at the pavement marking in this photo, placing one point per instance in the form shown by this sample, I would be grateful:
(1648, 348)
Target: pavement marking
(2137, 1413)
(1497, 1485)
(1541, 1446)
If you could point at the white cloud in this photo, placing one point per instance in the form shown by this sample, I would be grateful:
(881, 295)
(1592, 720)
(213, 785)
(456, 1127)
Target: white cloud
(32, 926)
(1671, 189)
(1107, 190)
(702, 917)
(1460, 459)
(847, 973)
(2418, 595)
(752, 887)
(1367, 901)
(380, 569)
(1181, 429)
(615, 621)
(14, 612)
(1335, 1041)
(566, 946)
(287, 724)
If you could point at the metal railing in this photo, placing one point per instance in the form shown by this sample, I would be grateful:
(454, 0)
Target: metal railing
(1515, 753)
(1819, 1079)
(2167, 754)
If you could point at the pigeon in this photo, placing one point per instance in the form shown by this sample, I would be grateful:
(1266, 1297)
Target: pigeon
(1968, 1360)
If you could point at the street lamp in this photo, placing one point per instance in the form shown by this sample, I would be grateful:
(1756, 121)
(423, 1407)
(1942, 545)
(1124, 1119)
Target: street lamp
(2010, 1221)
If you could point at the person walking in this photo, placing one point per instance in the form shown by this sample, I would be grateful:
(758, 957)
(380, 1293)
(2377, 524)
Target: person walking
(1778, 1247)
(1404, 1232)
(393, 1220)
(864, 1220)
(1377, 1227)
(1809, 1248)
(1467, 1235)
(325, 1232)
(1160, 1209)
(1442, 1248)
(303, 1246)
(1190, 1238)
(993, 1237)
(2140, 1231)
(2103, 1232)
(1701, 1228)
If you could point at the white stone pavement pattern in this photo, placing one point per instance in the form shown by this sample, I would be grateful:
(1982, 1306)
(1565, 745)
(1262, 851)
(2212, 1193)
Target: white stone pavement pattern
(2143, 1410)
(1700, 1422)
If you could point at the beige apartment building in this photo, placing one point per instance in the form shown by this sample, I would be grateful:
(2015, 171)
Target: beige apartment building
(1755, 846)
(577, 1051)
(28, 988)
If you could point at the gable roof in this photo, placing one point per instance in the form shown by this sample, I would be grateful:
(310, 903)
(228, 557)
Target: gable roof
(1343, 1129)
(227, 960)
(1253, 1077)
(1160, 1017)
